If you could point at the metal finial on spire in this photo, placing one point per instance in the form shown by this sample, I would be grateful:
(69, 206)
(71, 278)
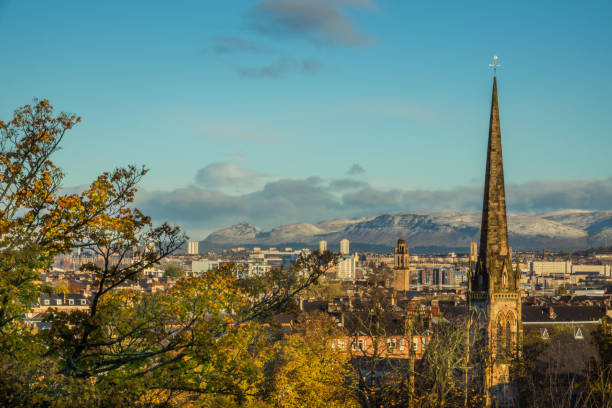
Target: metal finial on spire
(495, 64)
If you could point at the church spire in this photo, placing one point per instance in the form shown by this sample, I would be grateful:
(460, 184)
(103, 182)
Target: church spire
(494, 292)
(494, 252)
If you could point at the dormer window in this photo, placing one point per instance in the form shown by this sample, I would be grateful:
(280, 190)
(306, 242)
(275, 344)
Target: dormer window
(83, 302)
(578, 333)
(46, 302)
(71, 302)
(58, 302)
(544, 333)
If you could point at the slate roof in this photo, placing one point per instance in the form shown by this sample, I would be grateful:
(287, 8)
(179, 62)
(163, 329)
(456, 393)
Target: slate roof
(391, 323)
(453, 312)
(311, 306)
(76, 297)
(562, 313)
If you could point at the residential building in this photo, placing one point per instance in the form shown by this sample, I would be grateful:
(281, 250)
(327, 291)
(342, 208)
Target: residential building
(193, 248)
(345, 269)
(344, 247)
(322, 246)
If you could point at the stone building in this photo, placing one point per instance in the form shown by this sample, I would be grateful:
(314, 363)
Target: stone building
(401, 269)
(493, 285)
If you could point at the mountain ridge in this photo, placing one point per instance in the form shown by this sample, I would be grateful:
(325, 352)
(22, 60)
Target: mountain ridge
(567, 229)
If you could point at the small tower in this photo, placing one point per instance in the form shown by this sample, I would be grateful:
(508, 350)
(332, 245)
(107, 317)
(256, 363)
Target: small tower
(401, 270)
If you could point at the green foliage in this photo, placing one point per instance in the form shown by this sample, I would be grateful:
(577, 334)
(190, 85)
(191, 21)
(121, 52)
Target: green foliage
(306, 371)
(173, 270)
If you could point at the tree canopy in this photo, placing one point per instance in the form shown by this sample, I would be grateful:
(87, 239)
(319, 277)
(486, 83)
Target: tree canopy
(204, 341)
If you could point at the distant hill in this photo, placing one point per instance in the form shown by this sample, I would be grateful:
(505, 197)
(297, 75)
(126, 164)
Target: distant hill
(568, 229)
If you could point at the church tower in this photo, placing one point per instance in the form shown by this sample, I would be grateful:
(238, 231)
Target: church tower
(494, 291)
(401, 270)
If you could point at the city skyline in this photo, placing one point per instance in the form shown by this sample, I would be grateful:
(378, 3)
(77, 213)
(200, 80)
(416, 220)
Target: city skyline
(376, 107)
(296, 203)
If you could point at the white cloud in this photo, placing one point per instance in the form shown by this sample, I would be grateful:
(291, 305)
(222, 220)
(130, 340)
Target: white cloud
(320, 21)
(227, 174)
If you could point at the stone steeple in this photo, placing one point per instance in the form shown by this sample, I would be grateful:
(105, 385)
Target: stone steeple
(494, 253)
(493, 294)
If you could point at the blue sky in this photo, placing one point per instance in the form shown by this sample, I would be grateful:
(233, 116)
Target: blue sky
(256, 110)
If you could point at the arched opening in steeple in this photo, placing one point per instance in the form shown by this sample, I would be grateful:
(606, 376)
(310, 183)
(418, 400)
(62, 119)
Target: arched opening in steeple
(509, 332)
(500, 343)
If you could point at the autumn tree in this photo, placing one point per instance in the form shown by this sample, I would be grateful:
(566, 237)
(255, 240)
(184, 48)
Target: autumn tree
(307, 370)
(200, 340)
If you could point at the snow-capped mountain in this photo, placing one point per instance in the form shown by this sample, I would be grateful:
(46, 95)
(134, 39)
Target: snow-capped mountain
(560, 229)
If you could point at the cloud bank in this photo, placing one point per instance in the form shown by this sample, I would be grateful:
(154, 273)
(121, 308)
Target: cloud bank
(203, 208)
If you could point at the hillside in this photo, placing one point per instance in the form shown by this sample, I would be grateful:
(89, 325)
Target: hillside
(556, 230)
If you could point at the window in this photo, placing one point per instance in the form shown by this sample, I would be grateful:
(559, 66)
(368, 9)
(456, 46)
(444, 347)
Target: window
(578, 333)
(391, 345)
(544, 333)
(500, 336)
(508, 337)
(46, 302)
(71, 302)
(58, 302)
(361, 344)
(341, 344)
(354, 345)
(415, 344)
(83, 302)
(402, 344)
